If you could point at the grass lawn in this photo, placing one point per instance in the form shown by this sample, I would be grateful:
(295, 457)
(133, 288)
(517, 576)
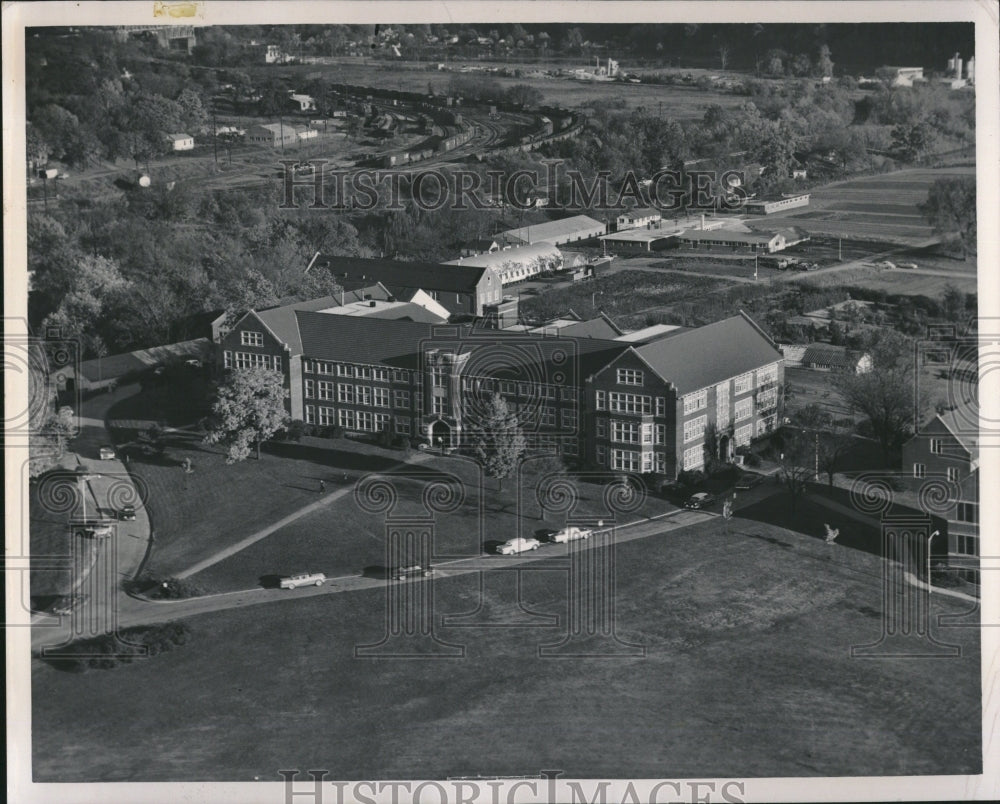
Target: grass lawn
(344, 539)
(747, 672)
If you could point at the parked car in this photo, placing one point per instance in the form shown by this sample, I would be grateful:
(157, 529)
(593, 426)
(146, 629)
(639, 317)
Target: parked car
(518, 545)
(749, 480)
(570, 534)
(413, 570)
(699, 500)
(107, 453)
(69, 604)
(126, 513)
(908, 265)
(303, 579)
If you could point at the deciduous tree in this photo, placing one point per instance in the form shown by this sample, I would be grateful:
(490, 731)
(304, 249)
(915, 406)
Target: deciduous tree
(249, 408)
(500, 441)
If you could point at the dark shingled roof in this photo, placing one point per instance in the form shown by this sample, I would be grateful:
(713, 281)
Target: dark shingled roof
(826, 354)
(700, 357)
(399, 344)
(425, 275)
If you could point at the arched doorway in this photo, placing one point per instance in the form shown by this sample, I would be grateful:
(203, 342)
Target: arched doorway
(440, 433)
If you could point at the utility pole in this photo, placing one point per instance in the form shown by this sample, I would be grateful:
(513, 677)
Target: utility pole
(817, 458)
(840, 251)
(215, 138)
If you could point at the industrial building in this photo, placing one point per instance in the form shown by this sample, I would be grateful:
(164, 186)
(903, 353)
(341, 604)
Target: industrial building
(558, 233)
(517, 264)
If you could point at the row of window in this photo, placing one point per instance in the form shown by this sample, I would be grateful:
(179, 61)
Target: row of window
(376, 373)
(953, 473)
(246, 360)
(628, 460)
(628, 403)
(362, 420)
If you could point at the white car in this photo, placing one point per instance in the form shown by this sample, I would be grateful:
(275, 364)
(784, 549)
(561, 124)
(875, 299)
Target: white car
(107, 453)
(519, 545)
(303, 579)
(571, 534)
(908, 265)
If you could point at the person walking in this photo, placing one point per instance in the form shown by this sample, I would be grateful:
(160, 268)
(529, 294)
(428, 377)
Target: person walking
(322, 486)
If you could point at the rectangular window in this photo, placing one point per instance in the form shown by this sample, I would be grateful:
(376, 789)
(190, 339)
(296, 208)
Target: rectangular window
(570, 446)
(246, 360)
(967, 512)
(401, 399)
(744, 409)
(440, 405)
(767, 399)
(936, 446)
(568, 419)
(380, 374)
(624, 432)
(310, 389)
(506, 387)
(567, 394)
(629, 377)
(438, 377)
(310, 414)
(399, 375)
(548, 417)
(402, 426)
(918, 470)
(625, 459)
(629, 403)
(968, 545)
(525, 389)
(661, 406)
(381, 422)
(661, 463)
(364, 394)
(277, 363)
(344, 370)
(548, 392)
(695, 428)
(326, 416)
(601, 425)
(322, 368)
(363, 372)
(952, 472)
(365, 421)
(228, 359)
(599, 403)
(249, 338)
(647, 434)
(602, 455)
(380, 397)
(661, 434)
(767, 375)
(325, 390)
(743, 435)
(694, 458)
(695, 401)
(345, 393)
(743, 383)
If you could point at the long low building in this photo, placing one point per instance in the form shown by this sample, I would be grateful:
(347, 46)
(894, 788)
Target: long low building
(768, 206)
(558, 233)
(642, 239)
(516, 264)
(634, 407)
(732, 241)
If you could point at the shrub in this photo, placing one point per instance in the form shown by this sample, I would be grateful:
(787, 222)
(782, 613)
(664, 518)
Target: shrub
(691, 478)
(108, 651)
(295, 430)
(177, 589)
(752, 459)
(402, 443)
(333, 431)
(384, 439)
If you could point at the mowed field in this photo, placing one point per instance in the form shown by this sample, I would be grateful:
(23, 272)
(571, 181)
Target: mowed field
(882, 208)
(747, 672)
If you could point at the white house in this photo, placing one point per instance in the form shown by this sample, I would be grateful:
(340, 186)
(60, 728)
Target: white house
(306, 103)
(180, 142)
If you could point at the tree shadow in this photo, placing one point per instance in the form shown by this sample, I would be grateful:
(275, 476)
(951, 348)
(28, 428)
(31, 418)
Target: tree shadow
(270, 581)
(336, 458)
(377, 571)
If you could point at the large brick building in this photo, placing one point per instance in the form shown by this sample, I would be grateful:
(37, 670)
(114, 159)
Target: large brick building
(640, 407)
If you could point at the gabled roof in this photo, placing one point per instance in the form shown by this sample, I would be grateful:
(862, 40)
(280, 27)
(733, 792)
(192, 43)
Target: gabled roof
(963, 424)
(700, 357)
(496, 259)
(600, 327)
(554, 229)
(426, 275)
(113, 366)
(826, 354)
(727, 236)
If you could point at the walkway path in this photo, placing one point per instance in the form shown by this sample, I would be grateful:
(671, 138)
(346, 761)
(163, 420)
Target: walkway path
(275, 526)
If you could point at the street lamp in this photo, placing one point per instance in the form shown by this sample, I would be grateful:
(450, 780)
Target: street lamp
(83, 475)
